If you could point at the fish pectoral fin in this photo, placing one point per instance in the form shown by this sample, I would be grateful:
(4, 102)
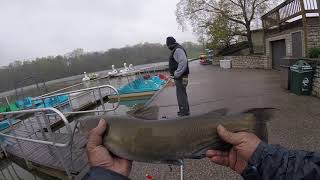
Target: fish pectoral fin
(217, 145)
(261, 114)
(145, 113)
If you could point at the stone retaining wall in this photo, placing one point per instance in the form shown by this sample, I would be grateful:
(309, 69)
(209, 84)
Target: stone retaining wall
(313, 33)
(245, 62)
(316, 82)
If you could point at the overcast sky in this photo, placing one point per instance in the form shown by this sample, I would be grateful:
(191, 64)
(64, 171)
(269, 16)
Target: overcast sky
(36, 28)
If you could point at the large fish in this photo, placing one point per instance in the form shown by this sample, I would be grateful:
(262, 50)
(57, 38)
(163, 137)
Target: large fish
(136, 137)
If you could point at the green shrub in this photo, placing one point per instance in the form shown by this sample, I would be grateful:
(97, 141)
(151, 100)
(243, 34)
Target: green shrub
(314, 52)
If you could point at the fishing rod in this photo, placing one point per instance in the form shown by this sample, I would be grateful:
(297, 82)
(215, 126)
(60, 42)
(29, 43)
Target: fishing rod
(157, 93)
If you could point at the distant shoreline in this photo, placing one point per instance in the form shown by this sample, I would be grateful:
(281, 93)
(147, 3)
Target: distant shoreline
(70, 78)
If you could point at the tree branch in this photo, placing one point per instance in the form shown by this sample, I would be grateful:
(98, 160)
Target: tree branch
(222, 12)
(254, 7)
(234, 3)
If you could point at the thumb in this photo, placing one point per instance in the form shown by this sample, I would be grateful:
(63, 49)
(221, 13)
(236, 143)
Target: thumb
(101, 128)
(228, 136)
(95, 136)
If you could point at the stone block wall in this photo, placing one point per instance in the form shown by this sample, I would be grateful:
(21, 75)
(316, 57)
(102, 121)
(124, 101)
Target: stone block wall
(313, 35)
(316, 82)
(245, 62)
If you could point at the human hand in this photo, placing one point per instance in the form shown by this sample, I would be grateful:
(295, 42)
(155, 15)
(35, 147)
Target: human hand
(99, 156)
(244, 145)
(171, 82)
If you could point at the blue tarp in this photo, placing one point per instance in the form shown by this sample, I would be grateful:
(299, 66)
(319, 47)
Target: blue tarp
(142, 85)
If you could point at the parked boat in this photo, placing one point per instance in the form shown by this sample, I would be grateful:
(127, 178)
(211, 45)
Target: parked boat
(88, 77)
(127, 71)
(93, 76)
(140, 87)
(25, 103)
(114, 71)
(6, 123)
(28, 102)
(131, 67)
(3, 109)
(53, 101)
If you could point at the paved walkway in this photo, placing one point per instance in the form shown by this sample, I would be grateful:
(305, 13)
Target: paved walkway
(295, 124)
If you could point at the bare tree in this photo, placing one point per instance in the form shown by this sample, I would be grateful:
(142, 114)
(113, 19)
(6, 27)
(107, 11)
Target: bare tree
(201, 14)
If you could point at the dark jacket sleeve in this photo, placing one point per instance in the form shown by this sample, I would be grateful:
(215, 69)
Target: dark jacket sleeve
(275, 162)
(98, 173)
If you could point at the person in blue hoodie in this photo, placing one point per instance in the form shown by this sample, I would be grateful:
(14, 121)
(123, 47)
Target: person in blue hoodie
(250, 157)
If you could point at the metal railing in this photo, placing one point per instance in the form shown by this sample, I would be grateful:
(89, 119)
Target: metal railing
(50, 140)
(46, 120)
(289, 10)
(40, 121)
(83, 92)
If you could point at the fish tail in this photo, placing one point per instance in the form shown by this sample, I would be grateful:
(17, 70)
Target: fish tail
(262, 116)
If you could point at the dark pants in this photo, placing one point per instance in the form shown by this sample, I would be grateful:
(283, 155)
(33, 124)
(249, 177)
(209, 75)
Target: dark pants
(182, 97)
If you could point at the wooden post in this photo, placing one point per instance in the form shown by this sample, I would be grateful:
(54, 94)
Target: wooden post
(305, 28)
(264, 34)
(318, 6)
(278, 20)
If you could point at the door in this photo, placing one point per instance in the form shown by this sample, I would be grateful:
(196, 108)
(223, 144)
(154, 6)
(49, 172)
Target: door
(297, 45)
(278, 52)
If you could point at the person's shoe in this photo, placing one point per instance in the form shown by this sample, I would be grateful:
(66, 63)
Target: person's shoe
(181, 114)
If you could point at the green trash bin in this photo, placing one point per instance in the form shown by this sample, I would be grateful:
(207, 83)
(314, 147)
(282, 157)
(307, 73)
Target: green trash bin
(301, 78)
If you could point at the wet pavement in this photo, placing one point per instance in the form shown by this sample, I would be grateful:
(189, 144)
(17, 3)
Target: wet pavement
(295, 123)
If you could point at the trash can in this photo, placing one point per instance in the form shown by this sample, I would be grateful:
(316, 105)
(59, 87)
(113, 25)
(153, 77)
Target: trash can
(285, 73)
(301, 78)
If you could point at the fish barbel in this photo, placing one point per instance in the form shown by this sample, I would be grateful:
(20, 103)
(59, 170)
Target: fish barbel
(168, 141)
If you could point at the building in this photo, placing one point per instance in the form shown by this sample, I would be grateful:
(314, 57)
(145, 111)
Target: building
(291, 29)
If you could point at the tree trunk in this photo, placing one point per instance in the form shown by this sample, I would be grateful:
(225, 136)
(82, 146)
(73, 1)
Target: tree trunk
(249, 37)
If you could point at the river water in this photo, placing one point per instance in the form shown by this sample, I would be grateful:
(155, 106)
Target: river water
(54, 85)
(9, 170)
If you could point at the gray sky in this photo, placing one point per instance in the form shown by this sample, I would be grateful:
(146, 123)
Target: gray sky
(36, 28)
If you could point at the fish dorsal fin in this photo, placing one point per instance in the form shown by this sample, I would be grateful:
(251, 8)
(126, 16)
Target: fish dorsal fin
(262, 116)
(145, 113)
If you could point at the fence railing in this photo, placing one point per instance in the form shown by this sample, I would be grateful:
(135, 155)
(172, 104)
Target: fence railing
(30, 130)
(76, 94)
(37, 127)
(288, 11)
(44, 112)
